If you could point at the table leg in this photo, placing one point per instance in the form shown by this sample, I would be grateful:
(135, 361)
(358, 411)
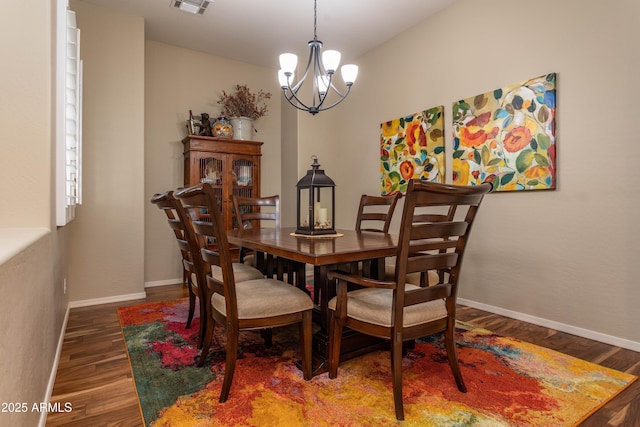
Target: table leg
(327, 291)
(377, 269)
(296, 275)
(353, 343)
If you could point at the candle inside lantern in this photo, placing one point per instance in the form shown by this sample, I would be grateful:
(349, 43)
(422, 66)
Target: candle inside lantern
(316, 212)
(322, 216)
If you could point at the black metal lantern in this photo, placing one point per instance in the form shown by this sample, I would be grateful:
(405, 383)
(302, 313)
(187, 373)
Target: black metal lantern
(316, 202)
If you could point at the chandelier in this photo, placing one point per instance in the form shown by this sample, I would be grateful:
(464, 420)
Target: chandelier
(323, 72)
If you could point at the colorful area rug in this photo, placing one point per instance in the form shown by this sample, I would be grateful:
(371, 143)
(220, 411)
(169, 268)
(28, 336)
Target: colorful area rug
(510, 383)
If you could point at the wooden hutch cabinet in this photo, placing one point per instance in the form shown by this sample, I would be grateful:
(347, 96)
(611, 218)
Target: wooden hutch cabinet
(230, 166)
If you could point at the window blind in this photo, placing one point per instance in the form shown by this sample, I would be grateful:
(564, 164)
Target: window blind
(69, 115)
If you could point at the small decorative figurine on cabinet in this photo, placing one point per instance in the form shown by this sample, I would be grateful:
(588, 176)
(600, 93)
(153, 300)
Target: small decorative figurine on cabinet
(193, 124)
(205, 129)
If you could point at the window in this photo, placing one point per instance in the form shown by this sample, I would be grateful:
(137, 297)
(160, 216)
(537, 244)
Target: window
(68, 114)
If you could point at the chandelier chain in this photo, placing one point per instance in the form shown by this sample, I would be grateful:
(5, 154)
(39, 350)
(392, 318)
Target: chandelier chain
(315, 19)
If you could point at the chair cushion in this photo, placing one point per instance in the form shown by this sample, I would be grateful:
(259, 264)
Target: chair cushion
(373, 305)
(241, 272)
(265, 298)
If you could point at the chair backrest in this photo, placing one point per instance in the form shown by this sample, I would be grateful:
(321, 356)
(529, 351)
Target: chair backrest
(376, 209)
(250, 211)
(180, 223)
(428, 242)
(211, 238)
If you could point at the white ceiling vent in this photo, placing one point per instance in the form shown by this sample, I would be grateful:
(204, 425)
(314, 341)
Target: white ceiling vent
(197, 7)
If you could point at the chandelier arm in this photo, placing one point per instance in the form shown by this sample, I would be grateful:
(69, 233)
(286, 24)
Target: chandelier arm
(321, 97)
(300, 106)
(335, 89)
(342, 98)
(318, 72)
(313, 44)
(294, 96)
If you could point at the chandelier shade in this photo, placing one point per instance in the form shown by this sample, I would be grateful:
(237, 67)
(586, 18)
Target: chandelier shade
(321, 68)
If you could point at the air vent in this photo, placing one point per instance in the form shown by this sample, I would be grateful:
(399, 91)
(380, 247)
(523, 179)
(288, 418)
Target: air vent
(197, 7)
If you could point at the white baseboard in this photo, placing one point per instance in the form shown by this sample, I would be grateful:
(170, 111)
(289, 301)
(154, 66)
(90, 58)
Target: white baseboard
(54, 369)
(127, 297)
(107, 300)
(163, 283)
(563, 327)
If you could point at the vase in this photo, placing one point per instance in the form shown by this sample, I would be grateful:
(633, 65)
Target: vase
(242, 128)
(222, 128)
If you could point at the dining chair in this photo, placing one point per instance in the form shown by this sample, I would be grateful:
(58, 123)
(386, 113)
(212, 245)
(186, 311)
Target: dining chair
(378, 210)
(249, 305)
(375, 214)
(180, 223)
(167, 203)
(396, 310)
(250, 212)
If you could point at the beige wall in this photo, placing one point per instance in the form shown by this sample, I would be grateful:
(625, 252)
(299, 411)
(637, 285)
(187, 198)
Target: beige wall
(31, 324)
(290, 177)
(178, 80)
(570, 255)
(107, 252)
(25, 115)
(34, 252)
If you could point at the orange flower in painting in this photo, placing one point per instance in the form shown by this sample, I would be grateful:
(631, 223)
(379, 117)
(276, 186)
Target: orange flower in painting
(477, 131)
(388, 186)
(415, 134)
(472, 139)
(390, 128)
(406, 169)
(536, 172)
(517, 139)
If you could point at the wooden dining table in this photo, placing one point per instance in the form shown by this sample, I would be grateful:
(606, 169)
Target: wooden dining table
(324, 253)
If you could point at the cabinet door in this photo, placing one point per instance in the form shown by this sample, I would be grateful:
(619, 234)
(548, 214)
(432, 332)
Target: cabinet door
(245, 179)
(211, 169)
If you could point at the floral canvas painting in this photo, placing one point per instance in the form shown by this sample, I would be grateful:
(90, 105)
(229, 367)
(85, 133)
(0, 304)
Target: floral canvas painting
(412, 147)
(507, 137)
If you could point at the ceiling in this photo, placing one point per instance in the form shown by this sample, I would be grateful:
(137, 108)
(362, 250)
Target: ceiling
(257, 31)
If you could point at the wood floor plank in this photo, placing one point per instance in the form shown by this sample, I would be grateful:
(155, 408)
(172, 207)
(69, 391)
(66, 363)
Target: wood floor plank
(95, 377)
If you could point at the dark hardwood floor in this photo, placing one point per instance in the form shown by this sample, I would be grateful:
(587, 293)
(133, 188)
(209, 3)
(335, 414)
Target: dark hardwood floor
(94, 374)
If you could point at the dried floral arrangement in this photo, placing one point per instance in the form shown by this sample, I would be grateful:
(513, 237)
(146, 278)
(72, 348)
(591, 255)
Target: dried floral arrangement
(244, 103)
